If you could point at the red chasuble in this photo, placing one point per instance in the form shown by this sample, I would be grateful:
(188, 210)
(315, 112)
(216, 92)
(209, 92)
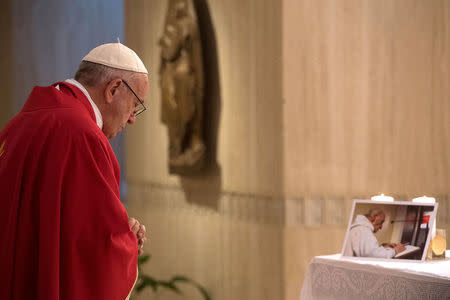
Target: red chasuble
(64, 233)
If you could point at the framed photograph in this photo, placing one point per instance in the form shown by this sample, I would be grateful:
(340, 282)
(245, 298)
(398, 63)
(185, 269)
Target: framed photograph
(389, 230)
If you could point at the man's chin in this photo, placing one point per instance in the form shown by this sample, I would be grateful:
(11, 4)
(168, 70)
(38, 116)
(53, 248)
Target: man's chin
(113, 135)
(110, 135)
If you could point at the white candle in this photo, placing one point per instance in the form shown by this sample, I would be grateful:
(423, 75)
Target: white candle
(382, 197)
(424, 199)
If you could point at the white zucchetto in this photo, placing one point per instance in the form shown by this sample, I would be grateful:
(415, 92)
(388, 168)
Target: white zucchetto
(116, 55)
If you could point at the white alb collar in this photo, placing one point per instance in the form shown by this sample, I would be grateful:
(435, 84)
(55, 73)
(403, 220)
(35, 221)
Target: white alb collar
(98, 115)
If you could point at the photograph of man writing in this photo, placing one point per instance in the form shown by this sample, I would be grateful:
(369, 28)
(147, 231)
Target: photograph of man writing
(361, 240)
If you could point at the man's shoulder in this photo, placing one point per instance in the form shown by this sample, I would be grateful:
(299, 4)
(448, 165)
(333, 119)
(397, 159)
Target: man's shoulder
(79, 127)
(75, 118)
(70, 119)
(63, 124)
(53, 114)
(360, 227)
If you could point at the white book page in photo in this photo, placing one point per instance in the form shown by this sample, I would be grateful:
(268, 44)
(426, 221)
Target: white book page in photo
(409, 249)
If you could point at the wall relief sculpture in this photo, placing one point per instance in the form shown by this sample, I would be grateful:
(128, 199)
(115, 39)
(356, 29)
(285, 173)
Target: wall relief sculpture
(181, 81)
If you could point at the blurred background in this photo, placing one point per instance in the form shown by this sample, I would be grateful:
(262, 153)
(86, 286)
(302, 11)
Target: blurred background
(308, 105)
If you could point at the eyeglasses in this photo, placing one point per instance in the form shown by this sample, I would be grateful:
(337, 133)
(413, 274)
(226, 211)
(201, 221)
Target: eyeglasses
(139, 108)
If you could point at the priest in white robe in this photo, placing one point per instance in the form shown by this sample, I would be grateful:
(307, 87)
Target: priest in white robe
(361, 241)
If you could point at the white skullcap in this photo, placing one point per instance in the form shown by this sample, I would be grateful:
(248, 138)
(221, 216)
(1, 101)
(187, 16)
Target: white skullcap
(117, 56)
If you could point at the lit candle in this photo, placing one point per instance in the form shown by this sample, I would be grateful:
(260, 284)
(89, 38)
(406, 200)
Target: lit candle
(424, 199)
(382, 197)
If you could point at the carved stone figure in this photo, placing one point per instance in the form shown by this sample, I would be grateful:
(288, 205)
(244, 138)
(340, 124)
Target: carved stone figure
(181, 80)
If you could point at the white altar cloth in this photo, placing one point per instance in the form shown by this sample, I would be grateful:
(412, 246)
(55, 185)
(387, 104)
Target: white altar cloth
(335, 277)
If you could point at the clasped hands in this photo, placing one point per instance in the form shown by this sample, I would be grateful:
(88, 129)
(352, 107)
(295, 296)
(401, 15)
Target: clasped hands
(139, 230)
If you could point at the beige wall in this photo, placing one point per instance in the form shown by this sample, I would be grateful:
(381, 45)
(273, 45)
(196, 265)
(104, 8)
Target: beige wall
(320, 102)
(223, 228)
(249, 55)
(366, 86)
(232, 254)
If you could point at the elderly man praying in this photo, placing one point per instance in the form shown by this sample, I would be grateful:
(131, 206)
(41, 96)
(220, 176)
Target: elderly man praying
(64, 232)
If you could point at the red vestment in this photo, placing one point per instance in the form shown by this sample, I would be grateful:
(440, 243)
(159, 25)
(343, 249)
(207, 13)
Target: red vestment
(64, 233)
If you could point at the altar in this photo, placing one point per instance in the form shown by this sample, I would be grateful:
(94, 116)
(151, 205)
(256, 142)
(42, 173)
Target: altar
(337, 277)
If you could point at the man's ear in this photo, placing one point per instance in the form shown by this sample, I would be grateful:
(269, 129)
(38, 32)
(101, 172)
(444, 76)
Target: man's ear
(112, 88)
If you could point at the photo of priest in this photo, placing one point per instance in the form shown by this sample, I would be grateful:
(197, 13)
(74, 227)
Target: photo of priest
(362, 240)
(388, 231)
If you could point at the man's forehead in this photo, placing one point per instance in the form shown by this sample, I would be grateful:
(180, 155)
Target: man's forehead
(141, 86)
(143, 81)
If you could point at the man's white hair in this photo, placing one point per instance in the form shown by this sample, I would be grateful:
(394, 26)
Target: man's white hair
(93, 74)
(374, 212)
